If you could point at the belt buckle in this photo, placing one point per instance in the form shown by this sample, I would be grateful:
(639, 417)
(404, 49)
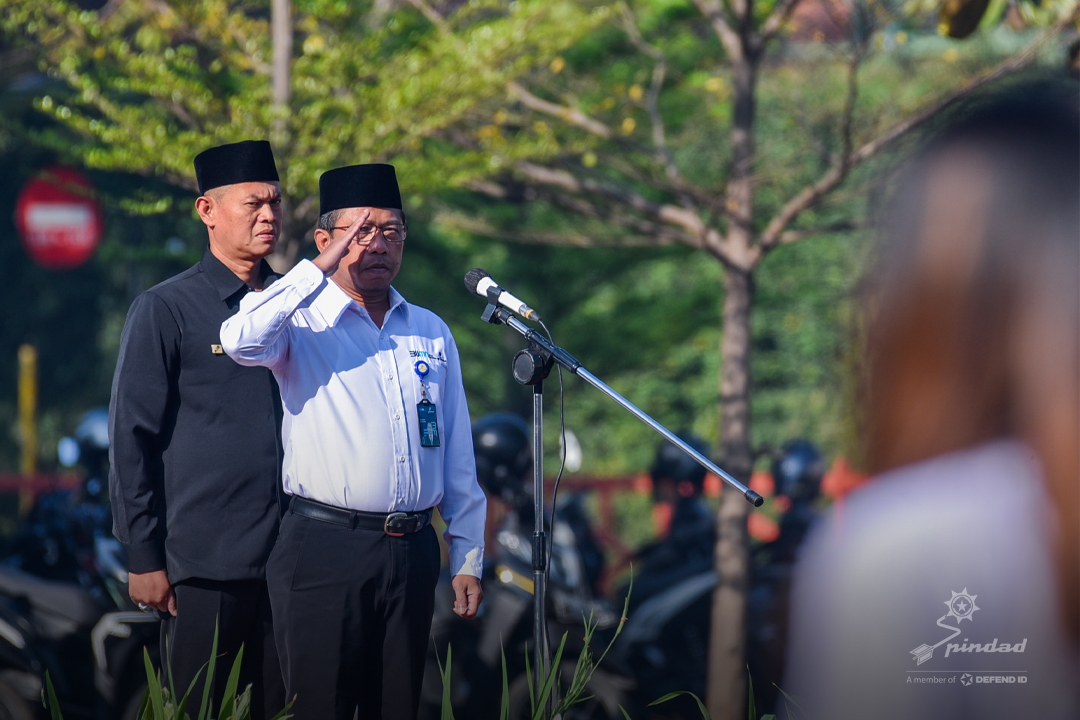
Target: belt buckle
(394, 516)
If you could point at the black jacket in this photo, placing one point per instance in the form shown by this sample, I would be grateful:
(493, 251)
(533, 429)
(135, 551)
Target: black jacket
(195, 439)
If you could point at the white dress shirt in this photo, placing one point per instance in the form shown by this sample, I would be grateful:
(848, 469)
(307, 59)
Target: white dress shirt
(350, 391)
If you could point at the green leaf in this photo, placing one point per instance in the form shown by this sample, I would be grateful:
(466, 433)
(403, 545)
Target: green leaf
(53, 704)
(444, 674)
(529, 682)
(157, 702)
(671, 696)
(624, 713)
(787, 699)
(230, 700)
(750, 696)
(172, 682)
(204, 707)
(504, 706)
(549, 681)
(283, 713)
(145, 712)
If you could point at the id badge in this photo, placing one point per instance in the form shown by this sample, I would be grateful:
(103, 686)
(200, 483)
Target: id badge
(429, 423)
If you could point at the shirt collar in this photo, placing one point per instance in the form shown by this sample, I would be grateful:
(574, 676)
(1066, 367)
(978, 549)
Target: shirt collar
(225, 280)
(332, 302)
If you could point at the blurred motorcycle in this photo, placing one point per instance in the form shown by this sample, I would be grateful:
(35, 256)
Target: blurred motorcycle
(504, 625)
(64, 605)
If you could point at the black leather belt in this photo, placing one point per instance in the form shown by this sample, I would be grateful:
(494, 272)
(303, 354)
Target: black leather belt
(394, 524)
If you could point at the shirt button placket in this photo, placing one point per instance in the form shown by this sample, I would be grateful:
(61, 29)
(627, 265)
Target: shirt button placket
(399, 433)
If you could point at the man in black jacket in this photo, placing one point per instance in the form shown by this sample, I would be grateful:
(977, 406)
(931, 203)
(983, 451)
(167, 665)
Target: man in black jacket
(196, 442)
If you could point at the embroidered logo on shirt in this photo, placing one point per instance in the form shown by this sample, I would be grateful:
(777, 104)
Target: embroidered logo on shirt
(433, 357)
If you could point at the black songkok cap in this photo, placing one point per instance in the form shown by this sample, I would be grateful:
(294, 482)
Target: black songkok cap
(352, 186)
(247, 161)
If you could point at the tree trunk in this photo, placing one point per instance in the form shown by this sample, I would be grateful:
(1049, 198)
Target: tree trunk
(726, 677)
(727, 681)
(281, 33)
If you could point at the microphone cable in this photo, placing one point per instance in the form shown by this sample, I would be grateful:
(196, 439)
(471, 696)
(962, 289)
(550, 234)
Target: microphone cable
(558, 478)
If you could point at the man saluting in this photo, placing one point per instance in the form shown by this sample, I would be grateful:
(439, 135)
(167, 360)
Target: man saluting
(376, 435)
(195, 443)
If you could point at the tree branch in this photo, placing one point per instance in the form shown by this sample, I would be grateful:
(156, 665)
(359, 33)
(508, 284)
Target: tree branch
(835, 175)
(662, 212)
(714, 11)
(571, 115)
(776, 20)
(790, 237)
(433, 16)
(659, 137)
(544, 237)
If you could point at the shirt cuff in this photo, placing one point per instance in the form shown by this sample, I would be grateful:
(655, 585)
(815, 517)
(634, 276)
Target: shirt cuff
(145, 557)
(467, 561)
(310, 279)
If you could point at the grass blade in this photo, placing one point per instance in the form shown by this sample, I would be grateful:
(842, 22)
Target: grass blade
(529, 682)
(787, 699)
(750, 695)
(204, 707)
(53, 704)
(624, 713)
(545, 692)
(444, 673)
(242, 705)
(172, 682)
(283, 713)
(145, 713)
(504, 706)
(154, 689)
(229, 699)
(671, 696)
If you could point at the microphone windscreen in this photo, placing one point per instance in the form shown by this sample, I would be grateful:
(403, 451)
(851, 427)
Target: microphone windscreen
(473, 278)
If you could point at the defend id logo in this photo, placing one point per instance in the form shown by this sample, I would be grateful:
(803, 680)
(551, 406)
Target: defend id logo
(961, 606)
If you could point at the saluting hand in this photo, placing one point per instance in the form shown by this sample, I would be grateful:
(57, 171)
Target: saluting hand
(153, 590)
(337, 247)
(468, 595)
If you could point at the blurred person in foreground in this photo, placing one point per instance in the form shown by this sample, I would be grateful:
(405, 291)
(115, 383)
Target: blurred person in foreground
(946, 588)
(195, 442)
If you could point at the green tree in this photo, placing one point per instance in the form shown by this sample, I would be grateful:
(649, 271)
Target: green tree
(153, 82)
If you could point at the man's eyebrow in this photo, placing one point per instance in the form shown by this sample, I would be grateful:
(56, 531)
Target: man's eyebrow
(257, 196)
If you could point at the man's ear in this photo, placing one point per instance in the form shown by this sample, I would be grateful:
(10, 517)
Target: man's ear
(205, 206)
(322, 239)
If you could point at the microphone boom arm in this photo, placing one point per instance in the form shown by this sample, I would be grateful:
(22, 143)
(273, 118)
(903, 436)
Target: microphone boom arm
(499, 316)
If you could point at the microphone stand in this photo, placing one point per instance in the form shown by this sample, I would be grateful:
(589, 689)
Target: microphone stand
(531, 366)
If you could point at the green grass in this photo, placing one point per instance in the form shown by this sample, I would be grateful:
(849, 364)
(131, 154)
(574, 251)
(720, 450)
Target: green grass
(161, 701)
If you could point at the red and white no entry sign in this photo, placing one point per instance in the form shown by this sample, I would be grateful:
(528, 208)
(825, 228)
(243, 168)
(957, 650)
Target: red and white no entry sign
(59, 221)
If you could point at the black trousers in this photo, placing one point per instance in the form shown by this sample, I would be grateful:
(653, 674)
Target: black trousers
(352, 618)
(242, 610)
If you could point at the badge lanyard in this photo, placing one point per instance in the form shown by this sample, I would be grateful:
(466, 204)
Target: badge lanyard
(425, 409)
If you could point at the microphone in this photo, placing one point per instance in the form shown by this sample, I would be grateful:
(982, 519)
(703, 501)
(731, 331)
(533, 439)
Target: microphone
(478, 281)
